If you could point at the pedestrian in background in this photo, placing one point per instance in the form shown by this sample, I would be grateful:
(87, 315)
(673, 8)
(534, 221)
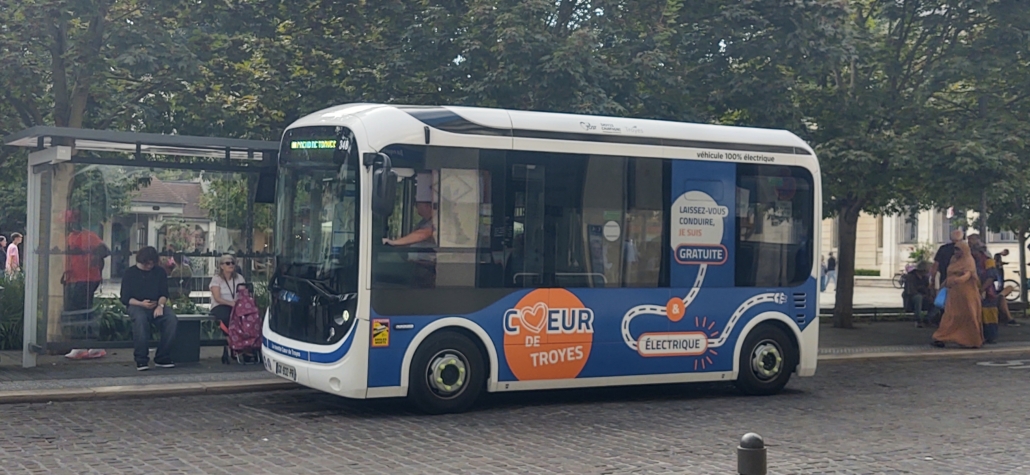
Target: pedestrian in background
(822, 274)
(831, 271)
(918, 295)
(13, 263)
(1004, 315)
(989, 289)
(961, 322)
(979, 251)
(942, 260)
(3, 255)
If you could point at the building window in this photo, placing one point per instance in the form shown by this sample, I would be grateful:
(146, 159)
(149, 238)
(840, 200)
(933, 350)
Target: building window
(1003, 236)
(947, 225)
(835, 234)
(910, 231)
(879, 232)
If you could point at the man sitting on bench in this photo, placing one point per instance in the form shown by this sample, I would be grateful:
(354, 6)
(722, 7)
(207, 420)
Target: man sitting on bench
(144, 293)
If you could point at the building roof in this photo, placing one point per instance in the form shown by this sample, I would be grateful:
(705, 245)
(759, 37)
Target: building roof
(183, 193)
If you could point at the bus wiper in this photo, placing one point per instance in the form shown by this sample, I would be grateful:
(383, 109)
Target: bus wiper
(319, 288)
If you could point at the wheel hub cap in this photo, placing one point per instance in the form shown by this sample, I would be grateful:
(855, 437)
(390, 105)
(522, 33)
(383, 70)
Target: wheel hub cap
(767, 361)
(447, 373)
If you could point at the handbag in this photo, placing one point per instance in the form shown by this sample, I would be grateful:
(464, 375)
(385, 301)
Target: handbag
(941, 297)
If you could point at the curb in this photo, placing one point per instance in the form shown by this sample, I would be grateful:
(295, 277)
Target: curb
(274, 384)
(139, 390)
(935, 353)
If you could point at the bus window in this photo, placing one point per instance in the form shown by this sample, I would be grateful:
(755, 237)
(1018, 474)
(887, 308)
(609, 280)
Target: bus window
(774, 226)
(585, 221)
(524, 265)
(441, 232)
(644, 230)
(469, 218)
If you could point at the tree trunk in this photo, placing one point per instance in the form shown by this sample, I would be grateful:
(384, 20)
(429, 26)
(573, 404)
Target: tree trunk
(983, 216)
(847, 232)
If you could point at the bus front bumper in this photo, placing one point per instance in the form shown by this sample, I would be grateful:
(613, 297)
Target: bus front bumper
(338, 371)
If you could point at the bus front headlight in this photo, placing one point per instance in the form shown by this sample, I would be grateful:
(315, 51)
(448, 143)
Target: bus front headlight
(342, 318)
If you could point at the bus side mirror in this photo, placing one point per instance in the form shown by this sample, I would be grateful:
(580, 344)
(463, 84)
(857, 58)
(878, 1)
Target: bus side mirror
(384, 185)
(264, 191)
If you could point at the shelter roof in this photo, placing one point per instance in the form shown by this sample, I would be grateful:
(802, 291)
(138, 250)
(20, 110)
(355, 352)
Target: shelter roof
(142, 143)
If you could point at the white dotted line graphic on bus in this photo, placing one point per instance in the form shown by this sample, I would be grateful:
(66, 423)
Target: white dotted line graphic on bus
(627, 336)
(701, 271)
(656, 310)
(777, 298)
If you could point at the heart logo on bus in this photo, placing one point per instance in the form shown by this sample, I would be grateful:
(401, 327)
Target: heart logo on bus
(548, 335)
(535, 317)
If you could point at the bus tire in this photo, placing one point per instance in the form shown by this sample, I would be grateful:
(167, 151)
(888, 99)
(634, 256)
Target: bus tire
(766, 361)
(448, 372)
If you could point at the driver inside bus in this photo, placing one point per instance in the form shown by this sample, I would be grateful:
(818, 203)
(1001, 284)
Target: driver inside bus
(423, 239)
(422, 235)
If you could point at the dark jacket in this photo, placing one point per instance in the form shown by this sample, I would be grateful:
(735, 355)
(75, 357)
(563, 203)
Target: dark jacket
(917, 282)
(144, 285)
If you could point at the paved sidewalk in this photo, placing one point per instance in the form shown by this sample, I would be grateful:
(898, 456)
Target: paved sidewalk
(117, 370)
(115, 375)
(901, 339)
(865, 297)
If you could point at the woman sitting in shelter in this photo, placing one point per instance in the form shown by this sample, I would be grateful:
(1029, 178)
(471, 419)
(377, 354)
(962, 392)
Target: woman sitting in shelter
(224, 289)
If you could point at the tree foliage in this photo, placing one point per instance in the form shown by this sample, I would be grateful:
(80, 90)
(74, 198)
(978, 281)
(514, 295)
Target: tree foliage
(226, 202)
(909, 104)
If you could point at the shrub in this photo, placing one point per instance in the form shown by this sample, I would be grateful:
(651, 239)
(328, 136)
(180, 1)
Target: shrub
(921, 253)
(113, 320)
(867, 272)
(12, 311)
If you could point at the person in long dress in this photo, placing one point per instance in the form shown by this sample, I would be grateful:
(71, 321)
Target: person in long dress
(961, 323)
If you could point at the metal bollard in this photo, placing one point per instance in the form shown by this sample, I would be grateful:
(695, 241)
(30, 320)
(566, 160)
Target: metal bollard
(751, 459)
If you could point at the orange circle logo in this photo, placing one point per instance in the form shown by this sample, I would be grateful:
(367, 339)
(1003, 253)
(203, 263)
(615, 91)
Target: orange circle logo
(548, 335)
(676, 309)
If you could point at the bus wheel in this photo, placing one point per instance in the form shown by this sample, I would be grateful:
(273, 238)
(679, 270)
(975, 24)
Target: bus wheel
(767, 359)
(447, 374)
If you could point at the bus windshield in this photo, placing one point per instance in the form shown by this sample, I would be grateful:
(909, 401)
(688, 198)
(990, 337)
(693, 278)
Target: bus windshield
(316, 237)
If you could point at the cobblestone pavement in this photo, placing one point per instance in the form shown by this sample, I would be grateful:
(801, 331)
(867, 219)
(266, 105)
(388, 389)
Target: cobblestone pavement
(885, 417)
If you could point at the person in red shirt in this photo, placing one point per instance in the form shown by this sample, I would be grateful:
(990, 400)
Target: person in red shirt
(83, 266)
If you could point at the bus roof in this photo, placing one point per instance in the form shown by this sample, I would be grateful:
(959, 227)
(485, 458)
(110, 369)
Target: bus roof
(393, 124)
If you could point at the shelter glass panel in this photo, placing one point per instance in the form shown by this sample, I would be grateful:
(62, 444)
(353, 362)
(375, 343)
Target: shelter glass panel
(95, 218)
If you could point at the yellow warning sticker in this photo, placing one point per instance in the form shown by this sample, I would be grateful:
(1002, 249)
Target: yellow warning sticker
(380, 333)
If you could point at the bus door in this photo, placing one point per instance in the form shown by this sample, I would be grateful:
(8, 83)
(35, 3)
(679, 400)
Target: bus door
(701, 266)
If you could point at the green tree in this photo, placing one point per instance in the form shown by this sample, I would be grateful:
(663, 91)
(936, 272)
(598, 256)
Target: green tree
(866, 105)
(226, 200)
(93, 63)
(979, 130)
(100, 193)
(12, 192)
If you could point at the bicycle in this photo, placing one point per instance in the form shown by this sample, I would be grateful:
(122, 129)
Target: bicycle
(899, 280)
(1017, 288)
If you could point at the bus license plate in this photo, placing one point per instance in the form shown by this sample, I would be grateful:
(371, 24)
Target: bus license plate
(288, 372)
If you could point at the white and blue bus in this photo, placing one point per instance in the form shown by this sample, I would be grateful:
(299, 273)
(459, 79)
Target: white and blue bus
(439, 252)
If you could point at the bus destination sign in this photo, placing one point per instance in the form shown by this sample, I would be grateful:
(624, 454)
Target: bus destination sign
(312, 144)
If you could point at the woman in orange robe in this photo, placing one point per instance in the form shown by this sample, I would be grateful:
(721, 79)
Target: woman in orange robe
(961, 322)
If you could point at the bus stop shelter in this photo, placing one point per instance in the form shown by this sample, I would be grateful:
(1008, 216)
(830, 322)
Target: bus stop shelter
(93, 179)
